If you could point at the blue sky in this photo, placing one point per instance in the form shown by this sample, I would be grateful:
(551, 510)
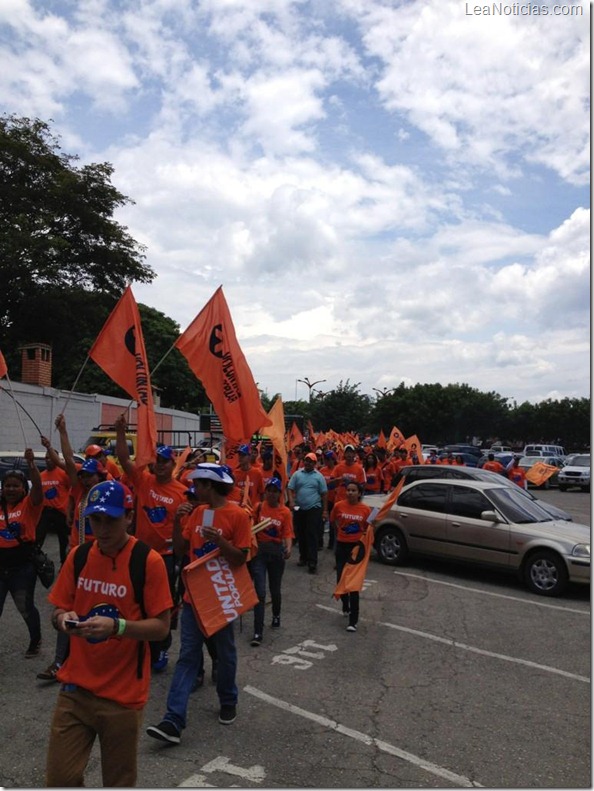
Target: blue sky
(387, 191)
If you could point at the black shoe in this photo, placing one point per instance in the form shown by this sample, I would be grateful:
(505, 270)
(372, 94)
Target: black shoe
(256, 640)
(227, 715)
(165, 731)
(313, 570)
(34, 649)
(50, 673)
(275, 621)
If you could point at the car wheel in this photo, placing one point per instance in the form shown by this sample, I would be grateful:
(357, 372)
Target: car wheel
(390, 545)
(562, 487)
(545, 573)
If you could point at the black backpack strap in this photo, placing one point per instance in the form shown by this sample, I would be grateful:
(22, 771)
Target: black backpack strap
(81, 555)
(138, 558)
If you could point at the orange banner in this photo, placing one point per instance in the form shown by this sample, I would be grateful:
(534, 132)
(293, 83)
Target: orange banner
(213, 353)
(413, 446)
(3, 366)
(540, 472)
(276, 432)
(218, 592)
(389, 502)
(395, 439)
(353, 573)
(119, 350)
(381, 440)
(295, 437)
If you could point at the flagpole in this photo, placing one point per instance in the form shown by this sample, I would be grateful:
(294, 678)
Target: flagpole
(167, 353)
(11, 394)
(74, 385)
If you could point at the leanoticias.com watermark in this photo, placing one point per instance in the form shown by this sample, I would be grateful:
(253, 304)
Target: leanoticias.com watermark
(523, 9)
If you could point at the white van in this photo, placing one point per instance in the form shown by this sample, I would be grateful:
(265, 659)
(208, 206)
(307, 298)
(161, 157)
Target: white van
(544, 450)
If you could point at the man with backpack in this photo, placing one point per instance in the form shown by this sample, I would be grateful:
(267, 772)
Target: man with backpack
(111, 597)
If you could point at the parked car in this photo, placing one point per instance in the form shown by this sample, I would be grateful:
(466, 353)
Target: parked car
(575, 472)
(526, 462)
(485, 524)
(544, 450)
(499, 449)
(461, 448)
(418, 472)
(469, 459)
(15, 460)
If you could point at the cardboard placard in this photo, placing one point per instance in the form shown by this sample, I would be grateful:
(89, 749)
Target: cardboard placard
(218, 592)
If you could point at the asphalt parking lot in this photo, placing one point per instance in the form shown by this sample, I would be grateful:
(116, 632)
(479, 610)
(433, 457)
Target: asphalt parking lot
(456, 678)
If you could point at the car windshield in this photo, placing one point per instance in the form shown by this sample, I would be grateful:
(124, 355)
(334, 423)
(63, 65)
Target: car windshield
(530, 461)
(579, 461)
(517, 508)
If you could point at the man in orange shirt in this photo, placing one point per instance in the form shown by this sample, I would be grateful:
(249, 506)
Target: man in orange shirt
(97, 452)
(158, 496)
(346, 471)
(492, 465)
(246, 475)
(56, 491)
(105, 680)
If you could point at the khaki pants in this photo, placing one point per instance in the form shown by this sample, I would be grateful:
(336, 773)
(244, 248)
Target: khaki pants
(80, 717)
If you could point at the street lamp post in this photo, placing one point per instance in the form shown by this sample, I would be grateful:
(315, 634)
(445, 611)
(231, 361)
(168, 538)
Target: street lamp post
(383, 392)
(310, 385)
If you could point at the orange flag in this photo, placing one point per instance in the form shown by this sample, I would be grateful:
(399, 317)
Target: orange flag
(413, 447)
(181, 459)
(381, 440)
(395, 439)
(213, 353)
(276, 432)
(3, 366)
(540, 472)
(295, 437)
(353, 573)
(119, 350)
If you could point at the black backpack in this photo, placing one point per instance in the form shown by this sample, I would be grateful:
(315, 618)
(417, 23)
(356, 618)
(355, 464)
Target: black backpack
(137, 569)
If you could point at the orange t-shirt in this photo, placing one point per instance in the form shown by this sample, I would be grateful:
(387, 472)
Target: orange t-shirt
(373, 482)
(56, 489)
(230, 520)
(350, 521)
(255, 482)
(156, 506)
(328, 475)
(346, 473)
(281, 526)
(493, 466)
(22, 521)
(108, 668)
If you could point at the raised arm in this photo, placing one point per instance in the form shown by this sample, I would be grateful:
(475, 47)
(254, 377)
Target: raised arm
(121, 447)
(36, 493)
(52, 453)
(67, 451)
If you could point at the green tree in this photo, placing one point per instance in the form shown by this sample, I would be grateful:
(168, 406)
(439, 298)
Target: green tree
(341, 409)
(57, 232)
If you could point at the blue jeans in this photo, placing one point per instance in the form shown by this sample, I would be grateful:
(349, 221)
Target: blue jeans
(190, 663)
(269, 560)
(20, 581)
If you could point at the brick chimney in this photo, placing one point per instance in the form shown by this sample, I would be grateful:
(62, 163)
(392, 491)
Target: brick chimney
(36, 364)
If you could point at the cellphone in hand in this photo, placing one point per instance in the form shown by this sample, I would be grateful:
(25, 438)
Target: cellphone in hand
(70, 623)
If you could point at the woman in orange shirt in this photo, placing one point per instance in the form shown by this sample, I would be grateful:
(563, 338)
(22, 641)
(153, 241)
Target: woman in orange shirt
(20, 511)
(350, 523)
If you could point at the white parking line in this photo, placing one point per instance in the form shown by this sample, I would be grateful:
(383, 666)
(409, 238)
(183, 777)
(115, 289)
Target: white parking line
(421, 763)
(471, 648)
(490, 593)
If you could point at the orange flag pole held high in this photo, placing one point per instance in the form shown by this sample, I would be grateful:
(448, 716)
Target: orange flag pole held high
(276, 432)
(119, 350)
(213, 353)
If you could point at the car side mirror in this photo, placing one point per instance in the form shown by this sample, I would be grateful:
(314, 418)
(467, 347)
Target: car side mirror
(490, 516)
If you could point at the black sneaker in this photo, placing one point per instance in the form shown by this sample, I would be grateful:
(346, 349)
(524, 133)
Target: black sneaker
(227, 715)
(34, 649)
(165, 731)
(256, 640)
(275, 621)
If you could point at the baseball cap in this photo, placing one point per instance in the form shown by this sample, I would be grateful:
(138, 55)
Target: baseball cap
(93, 467)
(93, 450)
(245, 449)
(329, 454)
(109, 497)
(212, 472)
(276, 482)
(311, 456)
(349, 447)
(166, 452)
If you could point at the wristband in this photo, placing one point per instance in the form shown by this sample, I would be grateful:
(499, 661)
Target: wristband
(121, 627)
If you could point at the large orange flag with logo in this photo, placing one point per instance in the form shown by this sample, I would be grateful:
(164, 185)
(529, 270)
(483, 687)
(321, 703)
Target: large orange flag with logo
(395, 439)
(119, 350)
(540, 472)
(213, 353)
(276, 432)
(353, 573)
(3, 366)
(294, 437)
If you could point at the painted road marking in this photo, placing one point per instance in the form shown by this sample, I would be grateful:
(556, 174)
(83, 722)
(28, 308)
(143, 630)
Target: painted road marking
(254, 773)
(421, 763)
(455, 644)
(490, 593)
